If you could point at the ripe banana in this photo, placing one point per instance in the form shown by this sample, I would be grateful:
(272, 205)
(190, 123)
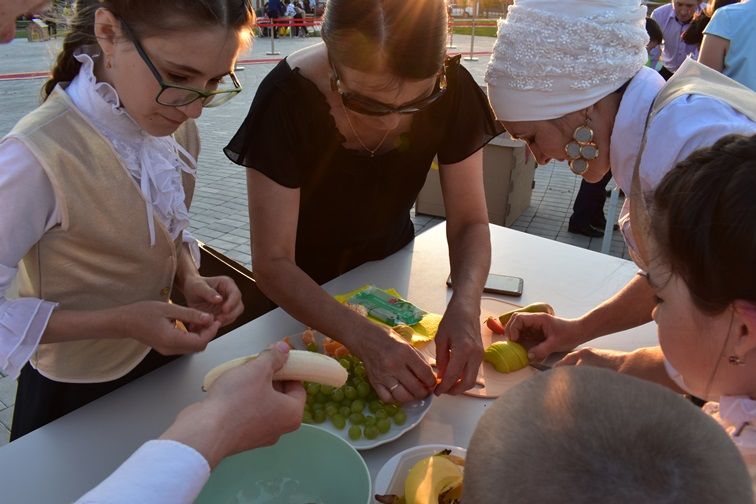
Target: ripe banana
(300, 366)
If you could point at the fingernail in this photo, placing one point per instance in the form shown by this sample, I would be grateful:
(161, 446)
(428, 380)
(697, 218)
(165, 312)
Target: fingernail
(282, 346)
(531, 356)
(206, 317)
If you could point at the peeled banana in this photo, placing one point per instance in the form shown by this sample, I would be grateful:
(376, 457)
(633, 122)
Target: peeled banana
(300, 366)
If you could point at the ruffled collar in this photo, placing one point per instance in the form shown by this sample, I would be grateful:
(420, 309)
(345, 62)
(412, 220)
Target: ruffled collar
(737, 415)
(155, 163)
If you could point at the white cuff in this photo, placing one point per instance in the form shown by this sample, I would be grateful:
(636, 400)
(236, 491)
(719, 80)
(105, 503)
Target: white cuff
(22, 323)
(161, 471)
(193, 245)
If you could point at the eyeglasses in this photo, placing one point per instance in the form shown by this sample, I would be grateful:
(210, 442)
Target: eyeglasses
(174, 95)
(368, 106)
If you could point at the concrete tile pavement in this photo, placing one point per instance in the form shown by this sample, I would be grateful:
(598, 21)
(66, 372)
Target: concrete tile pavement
(219, 210)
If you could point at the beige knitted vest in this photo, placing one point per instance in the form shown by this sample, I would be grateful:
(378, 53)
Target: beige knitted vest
(100, 255)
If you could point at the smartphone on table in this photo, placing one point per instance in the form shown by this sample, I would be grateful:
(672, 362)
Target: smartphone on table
(500, 284)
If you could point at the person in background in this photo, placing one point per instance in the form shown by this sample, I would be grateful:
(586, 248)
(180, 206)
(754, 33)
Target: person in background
(656, 38)
(587, 216)
(695, 31)
(729, 43)
(385, 100)
(705, 295)
(10, 10)
(275, 11)
(674, 18)
(589, 435)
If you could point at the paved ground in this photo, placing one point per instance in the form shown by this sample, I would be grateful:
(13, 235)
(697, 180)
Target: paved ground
(219, 210)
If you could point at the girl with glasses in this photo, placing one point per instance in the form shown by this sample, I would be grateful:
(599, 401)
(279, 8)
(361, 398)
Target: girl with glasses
(94, 191)
(338, 142)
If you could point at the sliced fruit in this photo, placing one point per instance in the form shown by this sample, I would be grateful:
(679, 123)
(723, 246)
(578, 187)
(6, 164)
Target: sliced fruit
(506, 356)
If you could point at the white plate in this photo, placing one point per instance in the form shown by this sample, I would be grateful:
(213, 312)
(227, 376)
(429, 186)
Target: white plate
(415, 411)
(390, 479)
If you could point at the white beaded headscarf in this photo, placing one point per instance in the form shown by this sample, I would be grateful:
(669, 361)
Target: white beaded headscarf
(553, 57)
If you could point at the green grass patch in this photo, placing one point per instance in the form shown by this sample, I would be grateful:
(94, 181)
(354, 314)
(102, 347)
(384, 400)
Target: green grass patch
(480, 31)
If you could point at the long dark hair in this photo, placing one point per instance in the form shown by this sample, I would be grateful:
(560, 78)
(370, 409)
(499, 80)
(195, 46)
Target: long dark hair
(408, 36)
(704, 221)
(146, 17)
(695, 31)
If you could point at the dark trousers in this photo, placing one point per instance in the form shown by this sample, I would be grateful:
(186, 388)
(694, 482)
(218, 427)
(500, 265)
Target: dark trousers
(40, 400)
(588, 209)
(666, 73)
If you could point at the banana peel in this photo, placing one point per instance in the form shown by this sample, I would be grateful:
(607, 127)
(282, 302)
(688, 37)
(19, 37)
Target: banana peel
(433, 480)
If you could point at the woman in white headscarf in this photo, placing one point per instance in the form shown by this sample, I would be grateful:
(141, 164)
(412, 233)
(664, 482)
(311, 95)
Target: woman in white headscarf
(568, 77)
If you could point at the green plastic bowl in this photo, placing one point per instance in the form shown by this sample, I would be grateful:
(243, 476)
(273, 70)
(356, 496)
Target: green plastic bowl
(307, 466)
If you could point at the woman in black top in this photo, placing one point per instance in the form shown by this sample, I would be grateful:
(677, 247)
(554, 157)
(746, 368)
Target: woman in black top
(340, 138)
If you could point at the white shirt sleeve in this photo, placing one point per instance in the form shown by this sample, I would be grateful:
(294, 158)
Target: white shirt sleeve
(159, 472)
(193, 245)
(685, 125)
(28, 209)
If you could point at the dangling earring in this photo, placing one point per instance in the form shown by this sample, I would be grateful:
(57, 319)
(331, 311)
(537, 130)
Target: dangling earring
(582, 149)
(736, 361)
(108, 64)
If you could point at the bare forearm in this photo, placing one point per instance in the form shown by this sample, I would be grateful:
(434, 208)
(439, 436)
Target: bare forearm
(185, 267)
(470, 259)
(71, 325)
(630, 307)
(294, 291)
(648, 364)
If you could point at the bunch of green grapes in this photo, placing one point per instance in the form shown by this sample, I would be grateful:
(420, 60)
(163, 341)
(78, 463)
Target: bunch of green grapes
(355, 404)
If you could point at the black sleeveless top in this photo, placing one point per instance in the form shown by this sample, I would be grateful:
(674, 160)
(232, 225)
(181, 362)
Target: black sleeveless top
(354, 208)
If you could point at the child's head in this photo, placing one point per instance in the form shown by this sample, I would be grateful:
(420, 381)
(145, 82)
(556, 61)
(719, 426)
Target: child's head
(655, 35)
(582, 434)
(703, 268)
(189, 43)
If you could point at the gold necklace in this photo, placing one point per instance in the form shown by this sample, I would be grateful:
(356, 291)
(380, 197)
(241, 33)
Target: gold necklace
(371, 151)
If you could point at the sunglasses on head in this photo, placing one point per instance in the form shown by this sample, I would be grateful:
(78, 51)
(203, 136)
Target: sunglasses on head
(368, 106)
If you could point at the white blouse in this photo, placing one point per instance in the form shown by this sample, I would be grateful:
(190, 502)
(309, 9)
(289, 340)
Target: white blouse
(686, 124)
(29, 208)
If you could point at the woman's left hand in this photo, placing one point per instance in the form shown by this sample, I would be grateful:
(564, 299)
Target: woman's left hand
(459, 349)
(217, 295)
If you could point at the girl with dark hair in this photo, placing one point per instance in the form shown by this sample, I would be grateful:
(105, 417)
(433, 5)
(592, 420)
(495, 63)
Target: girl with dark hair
(95, 188)
(339, 140)
(702, 271)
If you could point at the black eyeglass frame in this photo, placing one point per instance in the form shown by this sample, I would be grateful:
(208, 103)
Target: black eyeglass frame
(209, 98)
(368, 106)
